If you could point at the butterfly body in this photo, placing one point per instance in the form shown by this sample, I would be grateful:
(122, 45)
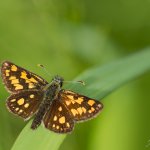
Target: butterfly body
(59, 109)
(50, 92)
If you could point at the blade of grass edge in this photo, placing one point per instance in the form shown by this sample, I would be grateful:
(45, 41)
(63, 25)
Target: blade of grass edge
(100, 81)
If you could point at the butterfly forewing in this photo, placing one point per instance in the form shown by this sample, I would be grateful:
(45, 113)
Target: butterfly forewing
(79, 106)
(19, 79)
(58, 119)
(24, 104)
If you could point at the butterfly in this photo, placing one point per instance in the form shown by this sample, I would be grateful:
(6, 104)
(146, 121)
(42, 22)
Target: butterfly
(58, 109)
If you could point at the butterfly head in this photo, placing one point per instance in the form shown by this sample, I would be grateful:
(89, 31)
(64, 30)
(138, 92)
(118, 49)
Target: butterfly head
(58, 80)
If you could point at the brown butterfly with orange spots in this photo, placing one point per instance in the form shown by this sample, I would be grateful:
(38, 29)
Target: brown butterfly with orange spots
(59, 109)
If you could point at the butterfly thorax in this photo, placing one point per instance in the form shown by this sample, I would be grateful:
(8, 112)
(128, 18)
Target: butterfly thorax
(50, 91)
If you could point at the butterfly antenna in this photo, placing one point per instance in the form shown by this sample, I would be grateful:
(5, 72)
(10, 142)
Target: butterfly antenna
(80, 82)
(42, 66)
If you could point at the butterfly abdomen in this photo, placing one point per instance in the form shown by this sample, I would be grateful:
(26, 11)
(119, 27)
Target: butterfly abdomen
(50, 93)
(39, 116)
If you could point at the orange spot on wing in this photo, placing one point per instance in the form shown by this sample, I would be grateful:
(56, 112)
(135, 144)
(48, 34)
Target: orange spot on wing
(55, 118)
(12, 78)
(62, 120)
(20, 101)
(92, 109)
(7, 72)
(28, 80)
(31, 85)
(32, 96)
(26, 105)
(84, 110)
(60, 108)
(13, 68)
(91, 102)
(15, 81)
(74, 112)
(79, 100)
(68, 125)
(80, 110)
(18, 86)
(33, 80)
(68, 102)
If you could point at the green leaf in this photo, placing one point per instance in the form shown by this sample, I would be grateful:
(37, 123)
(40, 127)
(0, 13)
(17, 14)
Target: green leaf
(40, 139)
(100, 81)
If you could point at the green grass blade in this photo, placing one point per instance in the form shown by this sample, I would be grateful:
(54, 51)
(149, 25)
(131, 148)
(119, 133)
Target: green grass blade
(40, 139)
(100, 81)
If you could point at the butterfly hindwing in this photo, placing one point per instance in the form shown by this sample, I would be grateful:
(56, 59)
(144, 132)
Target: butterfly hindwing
(79, 106)
(58, 118)
(16, 78)
(24, 104)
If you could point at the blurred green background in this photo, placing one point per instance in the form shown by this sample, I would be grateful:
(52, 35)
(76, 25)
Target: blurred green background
(68, 37)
